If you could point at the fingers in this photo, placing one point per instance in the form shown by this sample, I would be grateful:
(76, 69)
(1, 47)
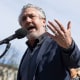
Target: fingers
(69, 25)
(62, 35)
(56, 27)
(60, 25)
(52, 27)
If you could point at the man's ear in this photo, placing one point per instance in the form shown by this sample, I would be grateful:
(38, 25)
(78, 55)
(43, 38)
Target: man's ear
(44, 21)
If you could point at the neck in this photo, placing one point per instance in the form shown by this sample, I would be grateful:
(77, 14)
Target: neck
(31, 42)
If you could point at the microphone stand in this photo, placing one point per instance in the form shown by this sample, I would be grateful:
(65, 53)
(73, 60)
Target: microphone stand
(6, 49)
(20, 33)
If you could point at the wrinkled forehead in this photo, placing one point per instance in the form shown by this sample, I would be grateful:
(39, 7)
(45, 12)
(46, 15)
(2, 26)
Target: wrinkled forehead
(30, 11)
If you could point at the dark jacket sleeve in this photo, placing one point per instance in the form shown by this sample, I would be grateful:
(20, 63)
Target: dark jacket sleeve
(18, 76)
(71, 56)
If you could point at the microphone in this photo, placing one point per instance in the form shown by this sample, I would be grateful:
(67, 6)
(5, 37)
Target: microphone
(20, 33)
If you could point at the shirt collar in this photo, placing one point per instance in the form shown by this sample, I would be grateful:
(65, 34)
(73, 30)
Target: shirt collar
(37, 41)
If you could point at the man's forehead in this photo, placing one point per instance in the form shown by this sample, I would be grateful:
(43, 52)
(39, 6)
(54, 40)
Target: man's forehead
(30, 10)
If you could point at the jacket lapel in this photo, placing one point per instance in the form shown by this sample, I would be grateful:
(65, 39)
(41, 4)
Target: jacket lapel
(38, 57)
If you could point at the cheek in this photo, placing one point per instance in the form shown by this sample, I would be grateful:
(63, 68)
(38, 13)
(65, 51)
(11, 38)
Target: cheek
(23, 26)
(39, 23)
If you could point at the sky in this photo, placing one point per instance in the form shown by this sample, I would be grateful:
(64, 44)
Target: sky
(63, 10)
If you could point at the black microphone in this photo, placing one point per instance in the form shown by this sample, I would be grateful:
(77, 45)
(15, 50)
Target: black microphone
(20, 33)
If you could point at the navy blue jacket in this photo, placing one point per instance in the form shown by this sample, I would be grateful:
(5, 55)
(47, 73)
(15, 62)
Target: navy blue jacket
(49, 62)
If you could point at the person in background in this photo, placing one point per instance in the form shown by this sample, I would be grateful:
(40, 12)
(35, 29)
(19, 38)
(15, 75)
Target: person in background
(75, 73)
(48, 56)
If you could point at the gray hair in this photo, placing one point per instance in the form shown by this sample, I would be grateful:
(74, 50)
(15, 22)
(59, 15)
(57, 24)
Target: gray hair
(42, 13)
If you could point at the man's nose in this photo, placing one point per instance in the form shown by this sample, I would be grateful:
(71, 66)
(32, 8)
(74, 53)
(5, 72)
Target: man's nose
(28, 19)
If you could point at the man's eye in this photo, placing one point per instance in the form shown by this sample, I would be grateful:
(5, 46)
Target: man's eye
(31, 16)
(23, 18)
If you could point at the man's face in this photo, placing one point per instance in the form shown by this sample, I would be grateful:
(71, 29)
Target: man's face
(33, 23)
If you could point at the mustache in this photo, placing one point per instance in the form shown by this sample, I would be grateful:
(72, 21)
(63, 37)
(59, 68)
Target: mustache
(31, 26)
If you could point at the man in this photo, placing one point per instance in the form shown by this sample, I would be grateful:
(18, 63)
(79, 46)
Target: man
(48, 57)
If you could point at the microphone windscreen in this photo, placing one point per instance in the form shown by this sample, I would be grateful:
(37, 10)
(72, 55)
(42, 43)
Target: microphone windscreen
(20, 33)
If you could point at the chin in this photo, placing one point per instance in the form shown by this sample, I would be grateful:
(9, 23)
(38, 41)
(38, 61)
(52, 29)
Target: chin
(32, 35)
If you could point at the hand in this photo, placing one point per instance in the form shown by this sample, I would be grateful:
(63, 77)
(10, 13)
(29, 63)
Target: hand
(61, 35)
(73, 72)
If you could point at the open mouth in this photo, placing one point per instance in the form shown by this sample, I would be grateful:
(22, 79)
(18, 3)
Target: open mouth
(31, 28)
